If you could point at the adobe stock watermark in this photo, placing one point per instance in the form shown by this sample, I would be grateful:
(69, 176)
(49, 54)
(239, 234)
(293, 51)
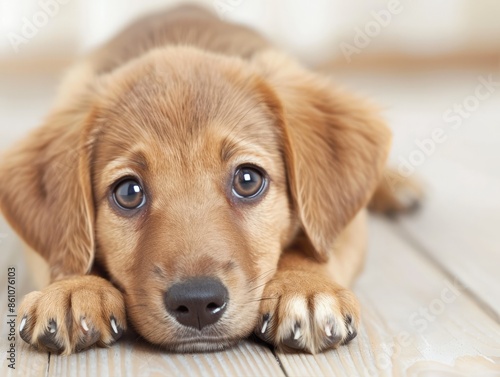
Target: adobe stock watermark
(372, 29)
(453, 118)
(225, 7)
(419, 321)
(32, 25)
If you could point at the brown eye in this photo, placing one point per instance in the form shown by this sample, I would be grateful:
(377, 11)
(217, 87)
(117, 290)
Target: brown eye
(128, 194)
(248, 182)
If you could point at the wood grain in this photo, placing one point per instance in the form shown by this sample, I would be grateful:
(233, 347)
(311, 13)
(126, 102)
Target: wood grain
(136, 359)
(459, 228)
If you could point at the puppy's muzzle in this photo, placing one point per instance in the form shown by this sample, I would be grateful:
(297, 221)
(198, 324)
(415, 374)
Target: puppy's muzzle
(197, 302)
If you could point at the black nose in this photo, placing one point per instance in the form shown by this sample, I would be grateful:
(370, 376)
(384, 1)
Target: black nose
(197, 302)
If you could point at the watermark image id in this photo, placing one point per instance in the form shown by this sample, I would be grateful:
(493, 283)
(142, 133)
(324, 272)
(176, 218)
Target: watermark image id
(11, 317)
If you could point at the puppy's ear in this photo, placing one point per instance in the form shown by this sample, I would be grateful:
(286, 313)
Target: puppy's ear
(335, 148)
(46, 191)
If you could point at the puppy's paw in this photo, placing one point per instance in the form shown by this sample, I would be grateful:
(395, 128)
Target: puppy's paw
(72, 314)
(303, 311)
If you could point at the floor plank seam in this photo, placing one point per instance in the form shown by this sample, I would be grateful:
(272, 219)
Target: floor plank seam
(403, 233)
(276, 357)
(48, 365)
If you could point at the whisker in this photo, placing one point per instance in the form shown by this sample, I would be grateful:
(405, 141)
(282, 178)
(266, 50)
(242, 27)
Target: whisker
(262, 275)
(260, 285)
(262, 299)
(136, 306)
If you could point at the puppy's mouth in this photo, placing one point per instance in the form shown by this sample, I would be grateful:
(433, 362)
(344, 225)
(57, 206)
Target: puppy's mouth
(172, 336)
(202, 344)
(214, 337)
(192, 315)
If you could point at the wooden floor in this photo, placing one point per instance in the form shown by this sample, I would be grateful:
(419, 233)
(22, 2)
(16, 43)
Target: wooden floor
(430, 291)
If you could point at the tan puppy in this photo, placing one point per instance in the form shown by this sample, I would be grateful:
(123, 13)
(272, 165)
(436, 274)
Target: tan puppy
(198, 184)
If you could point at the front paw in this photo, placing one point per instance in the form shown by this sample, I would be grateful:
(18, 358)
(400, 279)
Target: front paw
(303, 311)
(72, 314)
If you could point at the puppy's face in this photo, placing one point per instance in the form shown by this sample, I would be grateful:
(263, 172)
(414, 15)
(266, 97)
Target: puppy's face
(185, 174)
(190, 195)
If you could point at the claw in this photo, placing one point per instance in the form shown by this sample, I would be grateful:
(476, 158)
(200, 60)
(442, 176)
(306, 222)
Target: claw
(294, 339)
(351, 331)
(48, 338)
(117, 329)
(296, 332)
(113, 325)
(266, 322)
(84, 325)
(52, 327)
(23, 323)
(328, 330)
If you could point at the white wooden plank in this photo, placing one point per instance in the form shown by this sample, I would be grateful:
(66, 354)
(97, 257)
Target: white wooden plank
(134, 358)
(395, 339)
(459, 225)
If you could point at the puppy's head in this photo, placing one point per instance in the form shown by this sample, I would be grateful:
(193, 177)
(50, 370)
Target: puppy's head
(184, 175)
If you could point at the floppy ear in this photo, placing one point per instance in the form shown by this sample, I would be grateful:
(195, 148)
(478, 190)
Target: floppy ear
(46, 192)
(335, 148)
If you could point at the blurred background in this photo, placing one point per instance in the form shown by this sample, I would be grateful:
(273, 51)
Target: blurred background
(312, 30)
(433, 67)
(339, 37)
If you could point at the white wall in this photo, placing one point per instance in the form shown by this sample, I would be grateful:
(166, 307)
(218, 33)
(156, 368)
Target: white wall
(313, 29)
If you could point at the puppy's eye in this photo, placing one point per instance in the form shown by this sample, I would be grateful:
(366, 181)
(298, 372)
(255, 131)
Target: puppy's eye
(249, 182)
(128, 194)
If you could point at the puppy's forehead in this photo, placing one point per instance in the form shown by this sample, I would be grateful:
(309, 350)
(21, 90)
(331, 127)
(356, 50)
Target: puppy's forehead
(199, 106)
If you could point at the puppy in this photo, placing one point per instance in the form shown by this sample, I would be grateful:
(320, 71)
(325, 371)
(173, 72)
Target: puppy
(197, 184)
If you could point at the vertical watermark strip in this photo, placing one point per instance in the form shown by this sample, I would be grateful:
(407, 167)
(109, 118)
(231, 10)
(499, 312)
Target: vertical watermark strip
(11, 317)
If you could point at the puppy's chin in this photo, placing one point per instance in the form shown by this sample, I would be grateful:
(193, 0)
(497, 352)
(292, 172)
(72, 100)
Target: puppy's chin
(194, 341)
(201, 345)
(197, 343)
